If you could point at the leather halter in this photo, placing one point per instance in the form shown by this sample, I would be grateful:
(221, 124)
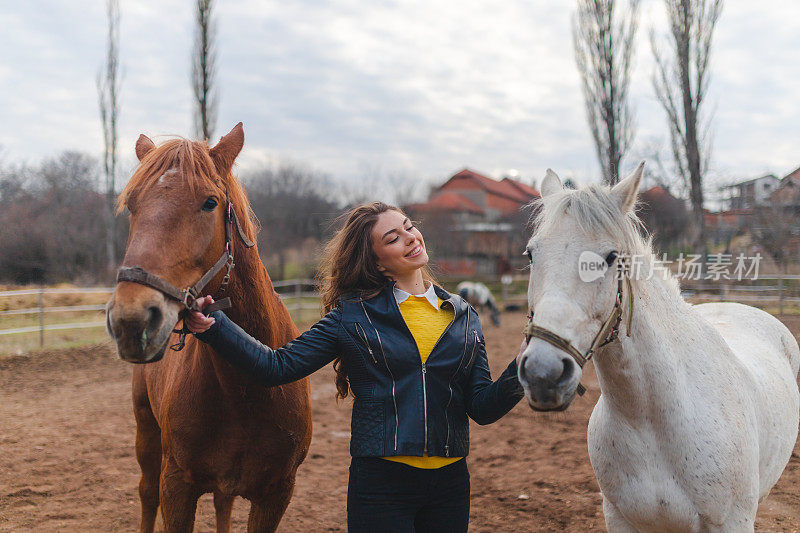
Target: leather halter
(609, 331)
(188, 296)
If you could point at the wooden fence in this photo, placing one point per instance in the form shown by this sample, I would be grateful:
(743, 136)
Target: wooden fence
(298, 295)
(41, 310)
(773, 291)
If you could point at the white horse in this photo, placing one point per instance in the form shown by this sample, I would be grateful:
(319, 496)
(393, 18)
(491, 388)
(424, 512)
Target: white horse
(479, 296)
(699, 407)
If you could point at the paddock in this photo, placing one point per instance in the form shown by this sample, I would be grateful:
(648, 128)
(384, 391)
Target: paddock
(67, 457)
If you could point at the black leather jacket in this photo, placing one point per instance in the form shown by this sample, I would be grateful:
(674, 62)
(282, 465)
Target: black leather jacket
(402, 406)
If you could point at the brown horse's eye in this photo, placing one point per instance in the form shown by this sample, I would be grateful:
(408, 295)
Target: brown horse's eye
(210, 205)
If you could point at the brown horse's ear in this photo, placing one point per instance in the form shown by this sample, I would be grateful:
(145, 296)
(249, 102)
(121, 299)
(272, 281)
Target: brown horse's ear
(143, 146)
(226, 150)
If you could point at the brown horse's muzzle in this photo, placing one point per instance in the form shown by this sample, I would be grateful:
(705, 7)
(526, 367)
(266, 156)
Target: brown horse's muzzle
(140, 320)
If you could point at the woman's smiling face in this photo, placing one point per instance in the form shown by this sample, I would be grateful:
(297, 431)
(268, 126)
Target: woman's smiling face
(398, 244)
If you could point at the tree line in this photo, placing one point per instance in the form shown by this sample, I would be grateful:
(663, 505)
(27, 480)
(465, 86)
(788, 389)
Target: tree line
(52, 216)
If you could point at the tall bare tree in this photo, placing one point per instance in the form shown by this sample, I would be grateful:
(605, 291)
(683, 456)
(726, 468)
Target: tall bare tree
(603, 36)
(681, 84)
(204, 68)
(108, 89)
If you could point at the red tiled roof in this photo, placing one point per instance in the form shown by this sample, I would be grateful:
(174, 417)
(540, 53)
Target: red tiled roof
(501, 188)
(448, 201)
(525, 189)
(656, 192)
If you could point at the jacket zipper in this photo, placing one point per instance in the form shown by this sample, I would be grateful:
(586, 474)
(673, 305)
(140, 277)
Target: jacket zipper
(425, 406)
(394, 399)
(477, 340)
(363, 335)
(424, 387)
(450, 386)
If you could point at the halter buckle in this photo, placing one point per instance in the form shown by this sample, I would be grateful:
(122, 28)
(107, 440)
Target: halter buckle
(188, 298)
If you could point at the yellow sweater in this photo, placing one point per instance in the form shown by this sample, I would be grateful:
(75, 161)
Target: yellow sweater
(426, 325)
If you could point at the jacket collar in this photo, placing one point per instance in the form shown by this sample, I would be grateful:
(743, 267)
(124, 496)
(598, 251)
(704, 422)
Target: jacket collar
(385, 298)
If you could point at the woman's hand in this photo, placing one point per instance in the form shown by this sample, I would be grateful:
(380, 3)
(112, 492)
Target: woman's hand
(197, 322)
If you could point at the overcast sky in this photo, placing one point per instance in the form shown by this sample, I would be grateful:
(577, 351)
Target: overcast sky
(418, 87)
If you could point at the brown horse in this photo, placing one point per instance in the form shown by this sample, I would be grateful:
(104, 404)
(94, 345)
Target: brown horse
(201, 426)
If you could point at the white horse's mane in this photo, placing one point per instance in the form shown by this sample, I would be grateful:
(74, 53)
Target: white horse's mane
(596, 211)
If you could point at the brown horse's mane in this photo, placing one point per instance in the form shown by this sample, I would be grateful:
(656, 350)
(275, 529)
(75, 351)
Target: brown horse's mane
(192, 160)
(250, 280)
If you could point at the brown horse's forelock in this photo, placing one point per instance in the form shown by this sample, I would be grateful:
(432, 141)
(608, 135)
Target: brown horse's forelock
(192, 161)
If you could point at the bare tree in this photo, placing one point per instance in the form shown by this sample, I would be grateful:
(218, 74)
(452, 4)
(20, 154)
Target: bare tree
(681, 83)
(603, 40)
(49, 221)
(663, 215)
(775, 228)
(294, 206)
(204, 68)
(108, 88)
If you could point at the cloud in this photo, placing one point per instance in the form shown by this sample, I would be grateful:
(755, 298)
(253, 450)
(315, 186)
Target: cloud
(423, 86)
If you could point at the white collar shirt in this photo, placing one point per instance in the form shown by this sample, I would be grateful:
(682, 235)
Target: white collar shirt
(430, 295)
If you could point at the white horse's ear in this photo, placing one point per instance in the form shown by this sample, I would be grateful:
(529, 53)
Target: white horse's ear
(550, 183)
(626, 190)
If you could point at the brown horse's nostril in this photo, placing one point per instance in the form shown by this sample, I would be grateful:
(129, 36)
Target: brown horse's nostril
(154, 318)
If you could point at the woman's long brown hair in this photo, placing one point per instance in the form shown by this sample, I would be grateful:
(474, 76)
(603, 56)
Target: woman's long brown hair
(349, 266)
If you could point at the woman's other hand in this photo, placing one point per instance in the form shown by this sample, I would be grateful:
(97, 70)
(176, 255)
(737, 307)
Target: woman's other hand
(521, 351)
(197, 322)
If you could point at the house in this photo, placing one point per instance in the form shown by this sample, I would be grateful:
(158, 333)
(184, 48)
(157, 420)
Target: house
(468, 190)
(750, 193)
(475, 224)
(788, 192)
(722, 226)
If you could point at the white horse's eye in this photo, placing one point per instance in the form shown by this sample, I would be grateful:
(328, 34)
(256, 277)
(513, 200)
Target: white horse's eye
(611, 257)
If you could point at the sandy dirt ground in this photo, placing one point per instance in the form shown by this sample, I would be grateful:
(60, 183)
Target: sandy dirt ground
(67, 459)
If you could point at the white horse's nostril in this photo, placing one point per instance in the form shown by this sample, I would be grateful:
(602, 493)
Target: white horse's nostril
(569, 370)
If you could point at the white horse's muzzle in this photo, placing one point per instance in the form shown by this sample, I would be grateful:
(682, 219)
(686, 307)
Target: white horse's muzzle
(549, 376)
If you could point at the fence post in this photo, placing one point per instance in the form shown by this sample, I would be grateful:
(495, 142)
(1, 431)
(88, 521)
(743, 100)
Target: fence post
(297, 298)
(505, 281)
(41, 316)
(780, 291)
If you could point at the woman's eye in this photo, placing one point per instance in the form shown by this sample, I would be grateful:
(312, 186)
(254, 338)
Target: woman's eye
(209, 205)
(393, 240)
(611, 257)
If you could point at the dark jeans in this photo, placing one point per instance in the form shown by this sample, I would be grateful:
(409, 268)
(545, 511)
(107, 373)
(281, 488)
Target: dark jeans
(388, 497)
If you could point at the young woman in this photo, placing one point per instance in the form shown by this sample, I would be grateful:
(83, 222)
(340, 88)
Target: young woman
(414, 358)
